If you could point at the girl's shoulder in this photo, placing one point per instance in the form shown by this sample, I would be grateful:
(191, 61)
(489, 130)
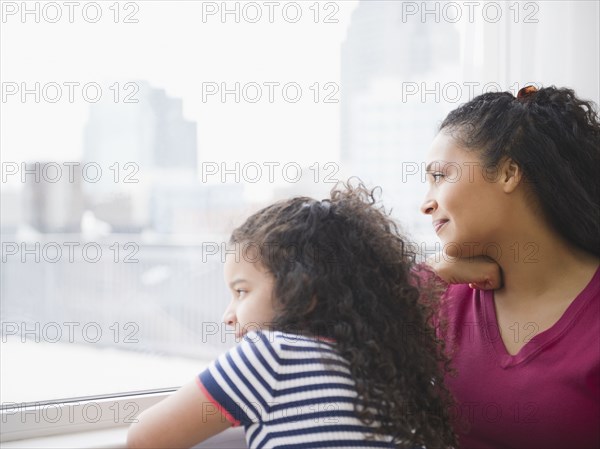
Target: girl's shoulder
(281, 340)
(285, 348)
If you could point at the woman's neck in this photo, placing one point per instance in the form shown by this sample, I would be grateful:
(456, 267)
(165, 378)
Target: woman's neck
(542, 266)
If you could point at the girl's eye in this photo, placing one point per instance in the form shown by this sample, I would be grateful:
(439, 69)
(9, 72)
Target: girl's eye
(241, 292)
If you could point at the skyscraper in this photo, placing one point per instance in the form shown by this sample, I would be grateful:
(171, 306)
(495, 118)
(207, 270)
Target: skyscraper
(53, 200)
(150, 132)
(138, 142)
(385, 132)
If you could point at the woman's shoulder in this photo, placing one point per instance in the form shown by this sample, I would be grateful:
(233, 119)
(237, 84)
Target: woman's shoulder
(459, 292)
(459, 302)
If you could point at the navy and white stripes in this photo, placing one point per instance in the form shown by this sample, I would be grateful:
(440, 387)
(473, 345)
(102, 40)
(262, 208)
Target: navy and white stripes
(288, 391)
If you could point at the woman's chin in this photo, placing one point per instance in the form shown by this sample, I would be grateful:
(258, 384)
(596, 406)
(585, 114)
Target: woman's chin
(450, 247)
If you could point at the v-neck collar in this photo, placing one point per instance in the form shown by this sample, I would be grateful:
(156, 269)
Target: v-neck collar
(543, 339)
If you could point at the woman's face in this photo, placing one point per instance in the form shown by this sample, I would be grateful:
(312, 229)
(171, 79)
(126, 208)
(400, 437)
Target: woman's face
(467, 206)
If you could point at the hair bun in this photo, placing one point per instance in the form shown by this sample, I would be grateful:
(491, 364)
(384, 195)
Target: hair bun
(526, 91)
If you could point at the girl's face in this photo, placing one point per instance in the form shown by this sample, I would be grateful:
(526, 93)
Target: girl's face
(251, 306)
(467, 205)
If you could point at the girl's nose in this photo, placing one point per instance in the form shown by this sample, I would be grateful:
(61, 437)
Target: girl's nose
(229, 317)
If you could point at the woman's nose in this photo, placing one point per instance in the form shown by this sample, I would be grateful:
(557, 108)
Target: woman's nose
(428, 206)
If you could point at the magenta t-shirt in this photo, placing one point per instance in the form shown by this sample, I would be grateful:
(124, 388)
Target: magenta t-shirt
(545, 396)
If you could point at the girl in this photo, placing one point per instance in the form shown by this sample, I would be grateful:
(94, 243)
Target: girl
(516, 180)
(337, 349)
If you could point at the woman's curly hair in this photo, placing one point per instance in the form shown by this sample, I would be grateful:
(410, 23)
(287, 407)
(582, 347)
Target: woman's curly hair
(554, 137)
(343, 271)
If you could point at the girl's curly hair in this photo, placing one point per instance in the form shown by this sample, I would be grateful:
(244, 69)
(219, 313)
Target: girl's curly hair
(343, 271)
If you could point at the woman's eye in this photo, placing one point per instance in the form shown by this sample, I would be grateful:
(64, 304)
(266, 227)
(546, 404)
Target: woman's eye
(436, 177)
(241, 292)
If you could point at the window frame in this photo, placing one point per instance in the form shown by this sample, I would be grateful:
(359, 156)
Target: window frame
(21, 421)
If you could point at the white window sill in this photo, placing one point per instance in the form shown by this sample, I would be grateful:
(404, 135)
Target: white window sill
(23, 427)
(116, 437)
(101, 439)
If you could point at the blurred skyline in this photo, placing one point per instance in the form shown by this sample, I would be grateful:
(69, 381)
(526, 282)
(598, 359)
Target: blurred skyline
(162, 125)
(192, 53)
(180, 60)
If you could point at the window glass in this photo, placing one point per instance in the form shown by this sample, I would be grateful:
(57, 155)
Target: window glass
(136, 135)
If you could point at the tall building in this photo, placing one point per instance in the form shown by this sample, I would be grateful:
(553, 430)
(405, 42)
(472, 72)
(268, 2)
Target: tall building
(137, 142)
(11, 210)
(385, 132)
(52, 199)
(150, 132)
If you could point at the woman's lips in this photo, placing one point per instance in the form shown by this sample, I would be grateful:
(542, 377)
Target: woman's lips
(438, 224)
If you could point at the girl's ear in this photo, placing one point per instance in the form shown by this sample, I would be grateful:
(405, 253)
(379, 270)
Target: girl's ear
(511, 175)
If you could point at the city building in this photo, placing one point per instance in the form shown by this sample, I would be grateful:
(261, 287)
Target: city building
(388, 119)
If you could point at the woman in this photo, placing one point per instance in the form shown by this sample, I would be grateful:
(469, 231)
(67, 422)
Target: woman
(516, 180)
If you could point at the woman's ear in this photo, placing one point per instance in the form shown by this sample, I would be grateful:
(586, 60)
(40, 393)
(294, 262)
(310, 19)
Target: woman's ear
(511, 175)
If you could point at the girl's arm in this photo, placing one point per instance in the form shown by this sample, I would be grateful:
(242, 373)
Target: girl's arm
(182, 420)
(479, 272)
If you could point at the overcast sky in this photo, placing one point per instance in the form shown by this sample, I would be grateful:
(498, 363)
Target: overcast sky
(178, 46)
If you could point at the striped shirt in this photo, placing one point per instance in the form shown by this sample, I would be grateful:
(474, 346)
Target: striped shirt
(279, 387)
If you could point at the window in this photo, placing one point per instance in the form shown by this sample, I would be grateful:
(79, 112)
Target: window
(136, 135)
